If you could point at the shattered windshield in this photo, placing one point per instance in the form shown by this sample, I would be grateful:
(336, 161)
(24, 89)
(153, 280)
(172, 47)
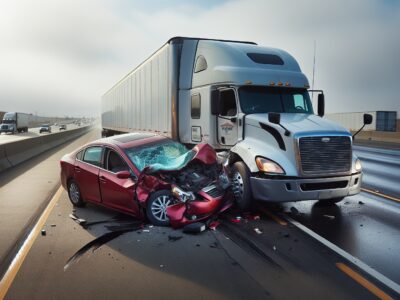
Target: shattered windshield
(165, 156)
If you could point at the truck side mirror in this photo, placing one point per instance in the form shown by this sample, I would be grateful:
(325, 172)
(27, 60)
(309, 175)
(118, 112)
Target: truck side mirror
(367, 119)
(321, 105)
(215, 102)
(274, 118)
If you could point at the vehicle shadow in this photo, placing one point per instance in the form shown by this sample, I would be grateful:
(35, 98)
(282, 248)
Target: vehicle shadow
(199, 259)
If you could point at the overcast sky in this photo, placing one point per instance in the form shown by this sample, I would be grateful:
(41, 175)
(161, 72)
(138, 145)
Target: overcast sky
(57, 57)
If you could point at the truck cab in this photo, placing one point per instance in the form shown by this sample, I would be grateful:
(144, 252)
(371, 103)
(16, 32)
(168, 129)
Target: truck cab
(260, 109)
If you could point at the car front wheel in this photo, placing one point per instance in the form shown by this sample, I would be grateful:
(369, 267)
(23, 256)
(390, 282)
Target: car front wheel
(157, 207)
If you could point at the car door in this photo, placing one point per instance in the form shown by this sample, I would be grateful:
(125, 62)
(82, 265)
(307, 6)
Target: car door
(227, 118)
(117, 192)
(87, 173)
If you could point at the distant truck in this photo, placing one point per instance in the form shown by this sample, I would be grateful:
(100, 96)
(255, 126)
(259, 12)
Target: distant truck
(14, 122)
(250, 100)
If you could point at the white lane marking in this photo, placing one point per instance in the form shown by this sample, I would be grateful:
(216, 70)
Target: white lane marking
(363, 266)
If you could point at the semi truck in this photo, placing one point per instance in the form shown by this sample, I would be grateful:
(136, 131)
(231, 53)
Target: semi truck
(250, 101)
(14, 122)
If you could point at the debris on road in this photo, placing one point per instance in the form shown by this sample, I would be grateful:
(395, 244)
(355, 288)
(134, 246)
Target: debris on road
(286, 235)
(329, 217)
(257, 230)
(53, 225)
(172, 238)
(360, 202)
(274, 248)
(213, 225)
(145, 230)
(77, 220)
(251, 217)
(43, 232)
(194, 228)
(236, 220)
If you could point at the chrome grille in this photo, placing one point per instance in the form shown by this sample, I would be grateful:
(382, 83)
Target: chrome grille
(325, 154)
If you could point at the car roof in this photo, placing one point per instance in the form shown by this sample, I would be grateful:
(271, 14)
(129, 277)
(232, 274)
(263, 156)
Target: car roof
(130, 140)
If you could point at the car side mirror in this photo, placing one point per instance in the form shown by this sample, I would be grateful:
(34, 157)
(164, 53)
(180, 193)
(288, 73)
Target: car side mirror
(274, 118)
(123, 174)
(367, 119)
(215, 102)
(321, 105)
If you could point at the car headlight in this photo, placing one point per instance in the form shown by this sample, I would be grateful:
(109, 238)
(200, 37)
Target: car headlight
(268, 166)
(358, 165)
(182, 195)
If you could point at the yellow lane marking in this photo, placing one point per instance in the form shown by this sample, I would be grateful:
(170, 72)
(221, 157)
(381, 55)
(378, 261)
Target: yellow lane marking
(381, 195)
(273, 217)
(362, 281)
(16, 264)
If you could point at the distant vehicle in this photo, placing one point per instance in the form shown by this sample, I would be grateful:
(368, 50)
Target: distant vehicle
(250, 101)
(148, 175)
(45, 128)
(62, 127)
(14, 122)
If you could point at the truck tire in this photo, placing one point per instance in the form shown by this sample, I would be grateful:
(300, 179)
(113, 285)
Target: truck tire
(156, 208)
(241, 185)
(332, 201)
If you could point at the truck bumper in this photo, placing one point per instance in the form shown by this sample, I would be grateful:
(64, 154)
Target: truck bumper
(282, 190)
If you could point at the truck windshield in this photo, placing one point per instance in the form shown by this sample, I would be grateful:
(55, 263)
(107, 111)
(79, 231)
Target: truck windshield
(9, 118)
(281, 100)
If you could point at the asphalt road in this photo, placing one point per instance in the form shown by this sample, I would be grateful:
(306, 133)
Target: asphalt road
(381, 169)
(114, 257)
(32, 132)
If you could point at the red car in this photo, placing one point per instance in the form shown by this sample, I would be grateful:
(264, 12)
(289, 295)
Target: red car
(148, 175)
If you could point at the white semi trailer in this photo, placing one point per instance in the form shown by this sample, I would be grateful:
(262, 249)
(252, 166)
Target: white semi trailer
(251, 100)
(14, 122)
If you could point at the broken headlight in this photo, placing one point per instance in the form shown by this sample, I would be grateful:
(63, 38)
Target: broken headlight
(182, 195)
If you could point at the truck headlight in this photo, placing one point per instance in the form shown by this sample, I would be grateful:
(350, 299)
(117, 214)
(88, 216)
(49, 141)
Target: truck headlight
(182, 195)
(358, 165)
(268, 166)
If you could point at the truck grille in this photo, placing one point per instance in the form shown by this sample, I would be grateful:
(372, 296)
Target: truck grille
(325, 154)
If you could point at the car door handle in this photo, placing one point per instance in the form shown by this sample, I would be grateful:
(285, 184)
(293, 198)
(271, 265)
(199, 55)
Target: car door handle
(77, 169)
(103, 179)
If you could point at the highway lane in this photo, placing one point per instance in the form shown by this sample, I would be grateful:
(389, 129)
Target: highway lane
(32, 132)
(364, 225)
(25, 189)
(381, 169)
(233, 262)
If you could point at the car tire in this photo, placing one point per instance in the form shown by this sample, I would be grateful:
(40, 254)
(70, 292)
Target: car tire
(156, 207)
(241, 186)
(74, 194)
(329, 202)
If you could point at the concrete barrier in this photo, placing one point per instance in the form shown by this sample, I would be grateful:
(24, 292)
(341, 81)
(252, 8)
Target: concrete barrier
(14, 153)
(4, 162)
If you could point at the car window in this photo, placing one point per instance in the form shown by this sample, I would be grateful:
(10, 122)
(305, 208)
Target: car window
(93, 156)
(115, 163)
(79, 155)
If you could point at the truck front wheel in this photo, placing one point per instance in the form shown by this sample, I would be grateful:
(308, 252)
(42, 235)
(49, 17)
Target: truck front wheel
(241, 185)
(331, 201)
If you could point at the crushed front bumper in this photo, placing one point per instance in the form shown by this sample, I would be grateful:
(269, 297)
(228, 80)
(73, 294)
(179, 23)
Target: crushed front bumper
(286, 190)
